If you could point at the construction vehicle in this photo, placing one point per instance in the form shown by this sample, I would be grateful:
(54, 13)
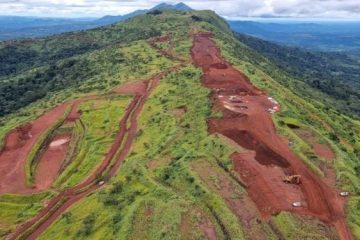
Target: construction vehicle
(296, 204)
(344, 194)
(292, 179)
(101, 183)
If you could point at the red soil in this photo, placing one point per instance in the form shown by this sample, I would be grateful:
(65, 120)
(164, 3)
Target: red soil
(108, 168)
(160, 39)
(239, 203)
(208, 229)
(75, 112)
(132, 88)
(168, 52)
(247, 121)
(18, 144)
(324, 151)
(51, 161)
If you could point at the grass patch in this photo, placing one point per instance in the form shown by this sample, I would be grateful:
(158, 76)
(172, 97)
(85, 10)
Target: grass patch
(100, 119)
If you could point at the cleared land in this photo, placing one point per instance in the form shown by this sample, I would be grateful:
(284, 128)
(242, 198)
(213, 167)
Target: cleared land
(268, 157)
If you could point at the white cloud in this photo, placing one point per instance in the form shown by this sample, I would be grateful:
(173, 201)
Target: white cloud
(228, 8)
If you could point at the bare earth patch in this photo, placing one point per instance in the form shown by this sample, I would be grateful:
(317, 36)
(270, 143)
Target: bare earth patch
(247, 120)
(324, 151)
(51, 161)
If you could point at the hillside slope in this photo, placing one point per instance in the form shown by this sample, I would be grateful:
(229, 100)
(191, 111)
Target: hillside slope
(180, 130)
(334, 75)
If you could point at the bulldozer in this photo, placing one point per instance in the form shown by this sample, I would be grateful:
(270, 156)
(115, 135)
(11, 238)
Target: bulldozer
(292, 179)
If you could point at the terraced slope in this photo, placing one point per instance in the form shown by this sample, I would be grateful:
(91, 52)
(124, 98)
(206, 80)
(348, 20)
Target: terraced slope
(192, 143)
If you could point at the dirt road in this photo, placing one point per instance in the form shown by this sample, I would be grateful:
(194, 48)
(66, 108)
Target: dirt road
(109, 167)
(247, 121)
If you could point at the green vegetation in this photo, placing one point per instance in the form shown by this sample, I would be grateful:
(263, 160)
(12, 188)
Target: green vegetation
(293, 227)
(175, 172)
(339, 131)
(139, 61)
(38, 148)
(100, 119)
(308, 113)
(16, 209)
(169, 189)
(31, 70)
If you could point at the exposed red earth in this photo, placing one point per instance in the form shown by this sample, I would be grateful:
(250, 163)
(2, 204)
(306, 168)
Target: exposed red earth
(267, 159)
(75, 113)
(246, 120)
(324, 151)
(18, 144)
(108, 168)
(51, 161)
(168, 52)
(132, 88)
(20, 141)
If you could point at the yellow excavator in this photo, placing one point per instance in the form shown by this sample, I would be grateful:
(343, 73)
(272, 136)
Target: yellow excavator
(292, 179)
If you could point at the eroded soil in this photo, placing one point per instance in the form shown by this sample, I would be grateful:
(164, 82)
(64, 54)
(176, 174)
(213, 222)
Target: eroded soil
(247, 121)
(51, 161)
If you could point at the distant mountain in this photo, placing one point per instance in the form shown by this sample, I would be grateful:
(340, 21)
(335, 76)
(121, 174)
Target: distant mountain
(17, 22)
(14, 27)
(178, 7)
(113, 19)
(324, 36)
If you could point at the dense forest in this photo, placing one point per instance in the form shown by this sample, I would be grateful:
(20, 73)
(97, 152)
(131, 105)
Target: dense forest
(30, 69)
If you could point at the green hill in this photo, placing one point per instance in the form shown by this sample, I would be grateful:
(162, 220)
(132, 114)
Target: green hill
(177, 181)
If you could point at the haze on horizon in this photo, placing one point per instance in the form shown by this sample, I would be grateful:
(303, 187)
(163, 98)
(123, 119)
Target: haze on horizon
(231, 9)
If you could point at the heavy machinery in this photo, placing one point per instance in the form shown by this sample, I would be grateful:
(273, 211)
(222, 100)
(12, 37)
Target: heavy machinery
(344, 194)
(292, 179)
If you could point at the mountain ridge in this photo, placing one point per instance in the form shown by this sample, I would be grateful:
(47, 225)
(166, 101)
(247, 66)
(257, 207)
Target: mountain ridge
(26, 27)
(113, 19)
(171, 126)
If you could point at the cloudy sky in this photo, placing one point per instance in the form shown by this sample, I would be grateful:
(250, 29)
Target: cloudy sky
(226, 8)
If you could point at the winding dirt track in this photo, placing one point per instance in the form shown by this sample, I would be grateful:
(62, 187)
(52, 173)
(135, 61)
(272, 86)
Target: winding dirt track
(247, 121)
(108, 168)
